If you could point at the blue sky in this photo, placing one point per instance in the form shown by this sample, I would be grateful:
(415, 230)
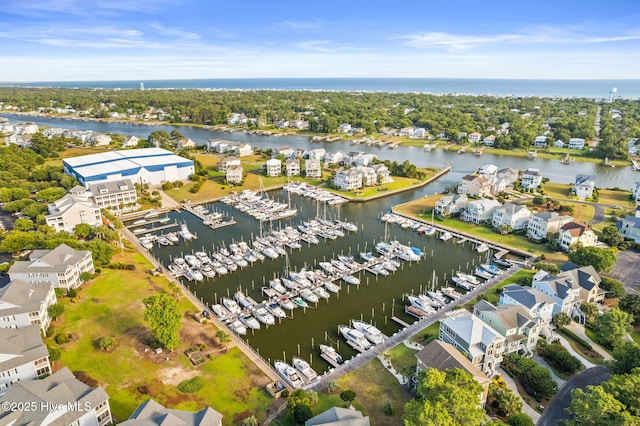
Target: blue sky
(57, 40)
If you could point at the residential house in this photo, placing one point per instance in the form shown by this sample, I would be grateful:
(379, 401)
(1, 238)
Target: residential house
(299, 124)
(347, 180)
(459, 136)
(185, 143)
(383, 175)
(64, 400)
(541, 224)
(286, 151)
(114, 193)
(488, 170)
(234, 173)
(509, 174)
(630, 226)
(475, 186)
(274, 167)
(313, 168)
(151, 413)
(281, 124)
(477, 340)
(241, 149)
(226, 162)
(531, 178)
(100, 139)
(23, 355)
(337, 157)
(338, 416)
(636, 192)
(632, 147)
(558, 144)
(61, 267)
(474, 137)
(573, 233)
(316, 154)
(538, 305)
(72, 209)
(540, 142)
(478, 211)
(584, 186)
(23, 304)
(292, 167)
(369, 177)
(513, 322)
(576, 143)
(588, 280)
(130, 142)
(514, 215)
(406, 132)
(489, 140)
(443, 356)
(344, 127)
(361, 158)
(218, 145)
(419, 133)
(450, 205)
(236, 118)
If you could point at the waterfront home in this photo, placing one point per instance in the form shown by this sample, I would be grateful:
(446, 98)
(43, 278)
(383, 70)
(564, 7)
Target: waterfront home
(632, 147)
(474, 137)
(630, 226)
(636, 193)
(406, 132)
(23, 304)
(489, 140)
(185, 143)
(459, 136)
(61, 267)
(478, 211)
(541, 224)
(359, 159)
(488, 170)
(509, 174)
(337, 157)
(540, 142)
(573, 233)
(241, 149)
(281, 124)
(538, 305)
(347, 180)
(61, 400)
(419, 133)
(292, 167)
(443, 356)
(338, 416)
(100, 139)
(218, 145)
(313, 168)
(451, 204)
(344, 127)
(273, 167)
(23, 355)
(584, 186)
(226, 162)
(299, 124)
(234, 173)
(558, 144)
(531, 178)
(316, 154)
(513, 322)
(474, 338)
(72, 209)
(130, 142)
(383, 175)
(151, 413)
(369, 177)
(576, 143)
(475, 186)
(23, 141)
(514, 215)
(237, 118)
(114, 193)
(286, 151)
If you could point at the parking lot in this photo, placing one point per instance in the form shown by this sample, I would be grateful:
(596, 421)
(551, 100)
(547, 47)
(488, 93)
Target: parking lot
(627, 270)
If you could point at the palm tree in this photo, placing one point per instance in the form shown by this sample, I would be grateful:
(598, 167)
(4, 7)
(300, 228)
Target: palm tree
(224, 338)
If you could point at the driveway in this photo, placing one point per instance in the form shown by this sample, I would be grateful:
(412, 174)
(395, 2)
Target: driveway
(555, 411)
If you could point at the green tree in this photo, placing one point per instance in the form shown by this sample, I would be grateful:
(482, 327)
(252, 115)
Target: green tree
(163, 314)
(332, 386)
(55, 310)
(590, 311)
(602, 259)
(82, 230)
(300, 396)
(520, 419)
(561, 319)
(223, 338)
(85, 276)
(595, 407)
(612, 236)
(626, 389)
(427, 413)
(348, 396)
(613, 287)
(626, 357)
(611, 327)
(107, 343)
(302, 413)
(509, 403)
(23, 224)
(631, 304)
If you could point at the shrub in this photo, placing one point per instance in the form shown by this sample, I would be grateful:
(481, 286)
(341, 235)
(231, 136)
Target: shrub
(192, 385)
(302, 413)
(55, 310)
(577, 338)
(50, 331)
(559, 357)
(54, 353)
(285, 393)
(519, 419)
(131, 267)
(388, 408)
(107, 343)
(62, 338)
(348, 396)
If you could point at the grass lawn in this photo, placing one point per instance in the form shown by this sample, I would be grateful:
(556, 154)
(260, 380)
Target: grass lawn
(402, 358)
(588, 354)
(111, 305)
(370, 191)
(492, 296)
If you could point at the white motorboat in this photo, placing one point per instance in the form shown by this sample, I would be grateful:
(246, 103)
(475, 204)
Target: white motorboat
(451, 293)
(482, 248)
(286, 303)
(304, 368)
(470, 278)
(231, 305)
(219, 269)
(331, 353)
(152, 214)
(309, 295)
(237, 327)
(269, 292)
(173, 237)
(184, 233)
(250, 322)
(220, 311)
(299, 302)
(430, 230)
(276, 310)
(333, 288)
(290, 284)
(193, 261)
(321, 292)
(300, 278)
(288, 374)
(482, 273)
(164, 241)
(328, 268)
(464, 284)
(277, 285)
(270, 253)
(207, 270)
(189, 274)
(437, 296)
(354, 336)
(139, 222)
(347, 226)
(250, 257)
(350, 279)
(146, 243)
(492, 269)
(265, 316)
(421, 304)
(341, 267)
(367, 256)
(446, 236)
(389, 266)
(372, 334)
(243, 300)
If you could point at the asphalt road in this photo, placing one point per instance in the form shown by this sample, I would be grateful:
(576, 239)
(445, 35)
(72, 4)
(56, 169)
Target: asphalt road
(626, 270)
(555, 411)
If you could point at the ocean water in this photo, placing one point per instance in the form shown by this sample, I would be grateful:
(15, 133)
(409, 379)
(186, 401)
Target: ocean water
(629, 89)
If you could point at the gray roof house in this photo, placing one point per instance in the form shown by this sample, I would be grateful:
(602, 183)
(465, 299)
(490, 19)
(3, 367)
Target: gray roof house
(538, 305)
(337, 416)
(23, 304)
(113, 193)
(150, 413)
(630, 226)
(511, 321)
(23, 355)
(584, 186)
(66, 401)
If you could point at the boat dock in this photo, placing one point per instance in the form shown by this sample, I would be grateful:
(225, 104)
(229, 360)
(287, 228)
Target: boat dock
(329, 360)
(399, 321)
(143, 231)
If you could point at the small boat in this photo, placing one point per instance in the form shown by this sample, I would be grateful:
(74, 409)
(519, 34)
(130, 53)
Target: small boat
(321, 292)
(372, 334)
(532, 155)
(347, 226)
(299, 302)
(140, 222)
(269, 292)
(286, 303)
(288, 374)
(309, 296)
(173, 237)
(333, 288)
(350, 279)
(377, 269)
(290, 284)
(270, 253)
(367, 256)
(470, 278)
(430, 230)
(277, 286)
(331, 353)
(464, 284)
(152, 214)
(164, 220)
(446, 236)
(451, 293)
(146, 243)
(231, 305)
(503, 262)
(340, 266)
(237, 327)
(276, 310)
(250, 322)
(492, 269)
(437, 296)
(242, 300)
(328, 268)
(250, 257)
(304, 368)
(220, 311)
(184, 233)
(421, 304)
(482, 273)
(354, 336)
(482, 248)
(207, 270)
(265, 316)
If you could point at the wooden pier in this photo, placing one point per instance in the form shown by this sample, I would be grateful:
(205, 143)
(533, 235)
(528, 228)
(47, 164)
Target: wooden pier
(329, 360)
(143, 231)
(399, 321)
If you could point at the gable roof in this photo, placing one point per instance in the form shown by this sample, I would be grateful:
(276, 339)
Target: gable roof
(510, 316)
(338, 416)
(526, 296)
(52, 261)
(21, 346)
(151, 413)
(575, 229)
(22, 297)
(443, 356)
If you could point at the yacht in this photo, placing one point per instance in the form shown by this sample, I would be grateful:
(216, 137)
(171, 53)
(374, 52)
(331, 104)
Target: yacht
(164, 241)
(350, 279)
(242, 300)
(290, 284)
(389, 266)
(331, 353)
(289, 374)
(277, 286)
(270, 253)
(482, 273)
(462, 283)
(451, 293)
(328, 268)
(219, 269)
(492, 269)
(470, 278)
(333, 288)
(276, 310)
(173, 237)
(286, 303)
(340, 266)
(304, 368)
(347, 226)
(220, 311)
(146, 243)
(207, 270)
(309, 296)
(321, 292)
(231, 305)
(367, 256)
(421, 304)
(237, 327)
(184, 233)
(437, 296)
(372, 334)
(250, 322)
(265, 317)
(354, 336)
(446, 236)
(299, 302)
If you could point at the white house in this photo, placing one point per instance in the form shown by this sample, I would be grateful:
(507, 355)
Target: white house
(475, 186)
(540, 142)
(507, 174)
(23, 304)
(369, 177)
(23, 355)
(383, 175)
(348, 180)
(114, 193)
(406, 132)
(150, 413)
(344, 127)
(630, 226)
(513, 322)
(61, 267)
(541, 224)
(185, 143)
(62, 399)
(334, 157)
(584, 186)
(72, 209)
(226, 162)
(313, 168)
(474, 137)
(514, 215)
(451, 205)
(573, 233)
(480, 210)
(531, 178)
(234, 173)
(130, 142)
(489, 140)
(274, 167)
(286, 151)
(292, 167)
(558, 144)
(100, 139)
(316, 154)
(576, 143)
(538, 305)
(241, 149)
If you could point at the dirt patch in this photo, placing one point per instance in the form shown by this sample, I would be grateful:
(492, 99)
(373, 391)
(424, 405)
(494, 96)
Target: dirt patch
(174, 375)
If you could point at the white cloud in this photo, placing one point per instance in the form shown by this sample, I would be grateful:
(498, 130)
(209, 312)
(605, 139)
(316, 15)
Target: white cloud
(299, 25)
(174, 32)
